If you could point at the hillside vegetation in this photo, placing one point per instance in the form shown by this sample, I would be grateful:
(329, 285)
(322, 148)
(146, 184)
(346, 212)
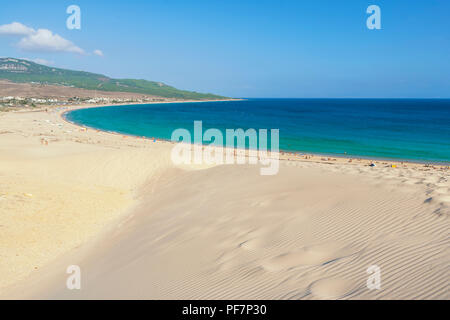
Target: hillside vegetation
(19, 70)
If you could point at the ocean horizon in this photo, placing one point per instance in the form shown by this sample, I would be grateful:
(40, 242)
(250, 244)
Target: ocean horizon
(399, 129)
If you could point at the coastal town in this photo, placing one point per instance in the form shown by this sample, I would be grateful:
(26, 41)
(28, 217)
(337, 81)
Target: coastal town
(10, 102)
(15, 96)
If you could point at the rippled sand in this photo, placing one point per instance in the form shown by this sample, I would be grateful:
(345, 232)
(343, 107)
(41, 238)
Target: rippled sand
(140, 227)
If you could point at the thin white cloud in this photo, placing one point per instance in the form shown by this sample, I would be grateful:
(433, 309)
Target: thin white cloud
(42, 40)
(16, 29)
(98, 52)
(45, 40)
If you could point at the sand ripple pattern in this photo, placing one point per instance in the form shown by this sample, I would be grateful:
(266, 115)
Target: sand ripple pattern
(310, 232)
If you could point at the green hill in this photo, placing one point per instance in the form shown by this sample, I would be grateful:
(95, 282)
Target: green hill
(19, 70)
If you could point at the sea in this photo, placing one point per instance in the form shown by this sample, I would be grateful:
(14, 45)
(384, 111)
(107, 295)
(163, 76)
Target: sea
(401, 129)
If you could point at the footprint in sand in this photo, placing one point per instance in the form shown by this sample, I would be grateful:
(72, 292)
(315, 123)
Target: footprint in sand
(411, 181)
(431, 180)
(308, 256)
(443, 184)
(444, 199)
(442, 191)
(332, 288)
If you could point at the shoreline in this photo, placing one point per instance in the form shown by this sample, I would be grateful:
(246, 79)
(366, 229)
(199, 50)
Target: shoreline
(292, 154)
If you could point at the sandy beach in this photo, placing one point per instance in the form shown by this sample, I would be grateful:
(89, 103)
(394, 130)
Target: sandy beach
(140, 227)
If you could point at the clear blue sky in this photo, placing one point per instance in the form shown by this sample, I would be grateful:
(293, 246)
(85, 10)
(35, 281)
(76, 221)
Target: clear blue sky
(252, 48)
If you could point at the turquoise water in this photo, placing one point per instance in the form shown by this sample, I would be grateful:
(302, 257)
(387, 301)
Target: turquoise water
(410, 129)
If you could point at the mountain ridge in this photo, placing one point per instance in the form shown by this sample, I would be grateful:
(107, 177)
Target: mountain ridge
(22, 70)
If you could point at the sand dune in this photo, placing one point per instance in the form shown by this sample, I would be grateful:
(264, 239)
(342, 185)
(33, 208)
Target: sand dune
(221, 232)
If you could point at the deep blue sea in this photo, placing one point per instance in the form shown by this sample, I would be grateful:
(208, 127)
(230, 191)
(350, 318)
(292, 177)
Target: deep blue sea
(414, 129)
